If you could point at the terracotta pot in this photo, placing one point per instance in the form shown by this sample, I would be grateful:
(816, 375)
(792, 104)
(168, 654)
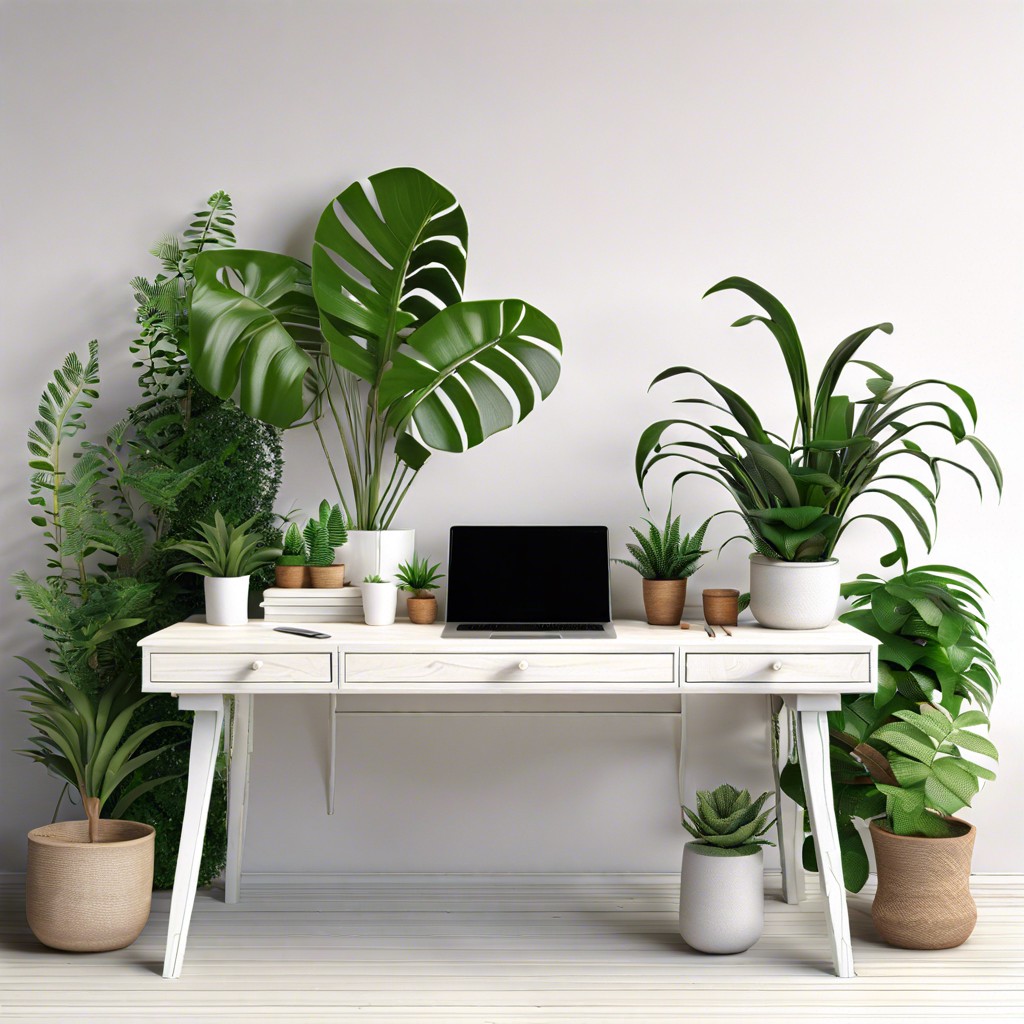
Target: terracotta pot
(89, 897)
(721, 607)
(923, 900)
(289, 576)
(663, 601)
(422, 610)
(323, 576)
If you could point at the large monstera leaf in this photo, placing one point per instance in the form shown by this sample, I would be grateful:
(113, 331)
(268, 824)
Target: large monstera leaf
(251, 322)
(389, 262)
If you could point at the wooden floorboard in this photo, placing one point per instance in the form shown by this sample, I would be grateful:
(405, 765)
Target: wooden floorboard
(493, 951)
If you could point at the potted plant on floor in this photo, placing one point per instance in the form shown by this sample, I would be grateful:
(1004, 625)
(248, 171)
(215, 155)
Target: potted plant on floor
(226, 556)
(795, 495)
(290, 569)
(380, 600)
(418, 578)
(665, 559)
(376, 331)
(721, 891)
(88, 883)
(323, 534)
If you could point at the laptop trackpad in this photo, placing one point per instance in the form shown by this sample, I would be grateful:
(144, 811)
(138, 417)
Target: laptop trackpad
(525, 636)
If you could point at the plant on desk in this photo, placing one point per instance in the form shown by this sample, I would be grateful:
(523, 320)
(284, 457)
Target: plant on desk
(322, 535)
(665, 559)
(721, 893)
(897, 756)
(796, 496)
(290, 568)
(418, 578)
(380, 600)
(225, 557)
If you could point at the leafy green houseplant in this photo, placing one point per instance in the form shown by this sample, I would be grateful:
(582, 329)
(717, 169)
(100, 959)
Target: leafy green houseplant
(372, 342)
(795, 493)
(290, 568)
(721, 893)
(225, 556)
(418, 578)
(665, 559)
(323, 533)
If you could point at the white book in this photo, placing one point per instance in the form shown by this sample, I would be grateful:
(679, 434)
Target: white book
(319, 594)
(321, 617)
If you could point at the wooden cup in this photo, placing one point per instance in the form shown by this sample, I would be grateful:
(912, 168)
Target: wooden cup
(721, 607)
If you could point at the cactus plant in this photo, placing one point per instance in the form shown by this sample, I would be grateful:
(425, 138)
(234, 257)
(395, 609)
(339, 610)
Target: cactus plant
(728, 821)
(294, 547)
(323, 534)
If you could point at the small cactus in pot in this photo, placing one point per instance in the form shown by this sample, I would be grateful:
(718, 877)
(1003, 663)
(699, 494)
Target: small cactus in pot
(322, 535)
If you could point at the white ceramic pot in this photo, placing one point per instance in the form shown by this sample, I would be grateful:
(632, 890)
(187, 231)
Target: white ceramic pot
(721, 899)
(227, 600)
(376, 553)
(380, 602)
(793, 595)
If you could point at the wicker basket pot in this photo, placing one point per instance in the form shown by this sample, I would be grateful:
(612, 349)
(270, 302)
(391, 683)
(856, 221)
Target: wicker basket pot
(289, 576)
(89, 897)
(322, 576)
(422, 610)
(721, 607)
(923, 900)
(663, 601)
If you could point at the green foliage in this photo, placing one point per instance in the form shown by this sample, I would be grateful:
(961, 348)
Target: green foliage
(293, 548)
(367, 339)
(224, 550)
(795, 496)
(374, 578)
(727, 819)
(665, 554)
(324, 533)
(418, 577)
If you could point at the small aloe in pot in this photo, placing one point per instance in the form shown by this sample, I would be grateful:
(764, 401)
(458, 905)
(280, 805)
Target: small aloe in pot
(728, 822)
(418, 578)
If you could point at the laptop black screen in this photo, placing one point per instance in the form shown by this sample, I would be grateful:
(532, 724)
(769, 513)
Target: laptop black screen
(528, 574)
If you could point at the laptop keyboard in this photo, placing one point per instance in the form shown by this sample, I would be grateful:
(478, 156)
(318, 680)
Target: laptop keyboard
(530, 627)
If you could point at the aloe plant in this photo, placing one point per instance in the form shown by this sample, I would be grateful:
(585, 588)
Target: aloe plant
(373, 339)
(795, 494)
(666, 554)
(224, 550)
(418, 577)
(728, 822)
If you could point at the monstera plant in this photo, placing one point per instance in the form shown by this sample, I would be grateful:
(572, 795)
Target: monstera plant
(372, 340)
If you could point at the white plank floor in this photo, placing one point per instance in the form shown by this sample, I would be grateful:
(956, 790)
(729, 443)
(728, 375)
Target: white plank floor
(485, 949)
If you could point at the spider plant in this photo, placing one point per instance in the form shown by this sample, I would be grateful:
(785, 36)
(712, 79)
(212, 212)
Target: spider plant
(795, 494)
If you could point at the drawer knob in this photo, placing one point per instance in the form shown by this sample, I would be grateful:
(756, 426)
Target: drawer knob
(257, 665)
(523, 666)
(777, 666)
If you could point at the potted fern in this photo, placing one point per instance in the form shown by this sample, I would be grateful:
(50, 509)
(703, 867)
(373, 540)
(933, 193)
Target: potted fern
(418, 578)
(290, 570)
(226, 556)
(721, 889)
(323, 534)
(665, 559)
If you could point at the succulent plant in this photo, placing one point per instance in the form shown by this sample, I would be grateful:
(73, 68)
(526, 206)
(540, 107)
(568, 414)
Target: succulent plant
(666, 554)
(417, 577)
(323, 534)
(728, 822)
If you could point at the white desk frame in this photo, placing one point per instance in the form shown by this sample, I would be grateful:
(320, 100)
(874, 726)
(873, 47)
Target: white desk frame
(409, 669)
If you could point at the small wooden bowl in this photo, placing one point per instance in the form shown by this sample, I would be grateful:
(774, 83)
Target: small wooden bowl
(721, 607)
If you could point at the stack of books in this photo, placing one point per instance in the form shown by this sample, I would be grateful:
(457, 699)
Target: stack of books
(320, 604)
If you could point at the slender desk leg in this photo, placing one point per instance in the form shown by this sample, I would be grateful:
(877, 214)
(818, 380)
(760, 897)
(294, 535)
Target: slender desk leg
(238, 792)
(332, 760)
(681, 771)
(813, 745)
(788, 814)
(206, 728)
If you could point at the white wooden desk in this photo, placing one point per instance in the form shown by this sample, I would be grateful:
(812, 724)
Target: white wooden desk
(406, 667)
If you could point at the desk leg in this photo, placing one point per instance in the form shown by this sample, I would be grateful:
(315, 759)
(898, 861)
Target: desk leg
(206, 729)
(788, 814)
(238, 792)
(813, 745)
(681, 770)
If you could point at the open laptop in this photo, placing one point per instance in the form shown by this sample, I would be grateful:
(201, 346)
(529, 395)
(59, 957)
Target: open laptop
(528, 581)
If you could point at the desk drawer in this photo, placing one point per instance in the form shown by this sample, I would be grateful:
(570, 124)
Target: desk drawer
(778, 668)
(512, 667)
(311, 667)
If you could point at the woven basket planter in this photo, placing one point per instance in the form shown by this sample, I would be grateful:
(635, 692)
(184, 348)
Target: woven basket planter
(422, 610)
(663, 601)
(923, 900)
(290, 576)
(89, 897)
(323, 576)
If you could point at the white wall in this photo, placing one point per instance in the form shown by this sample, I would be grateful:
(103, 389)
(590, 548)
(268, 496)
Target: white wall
(614, 160)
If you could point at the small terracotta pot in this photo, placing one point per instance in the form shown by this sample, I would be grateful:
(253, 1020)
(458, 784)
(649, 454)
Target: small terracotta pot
(663, 601)
(422, 610)
(289, 576)
(721, 607)
(923, 900)
(323, 576)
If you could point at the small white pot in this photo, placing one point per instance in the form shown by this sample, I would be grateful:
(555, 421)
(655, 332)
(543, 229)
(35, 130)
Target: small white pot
(380, 601)
(227, 600)
(376, 553)
(793, 595)
(721, 899)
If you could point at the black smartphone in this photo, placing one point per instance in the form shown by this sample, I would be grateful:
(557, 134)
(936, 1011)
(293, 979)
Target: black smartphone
(312, 633)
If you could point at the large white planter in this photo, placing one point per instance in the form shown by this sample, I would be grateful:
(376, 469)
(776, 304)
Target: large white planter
(721, 899)
(380, 602)
(793, 595)
(227, 600)
(376, 553)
